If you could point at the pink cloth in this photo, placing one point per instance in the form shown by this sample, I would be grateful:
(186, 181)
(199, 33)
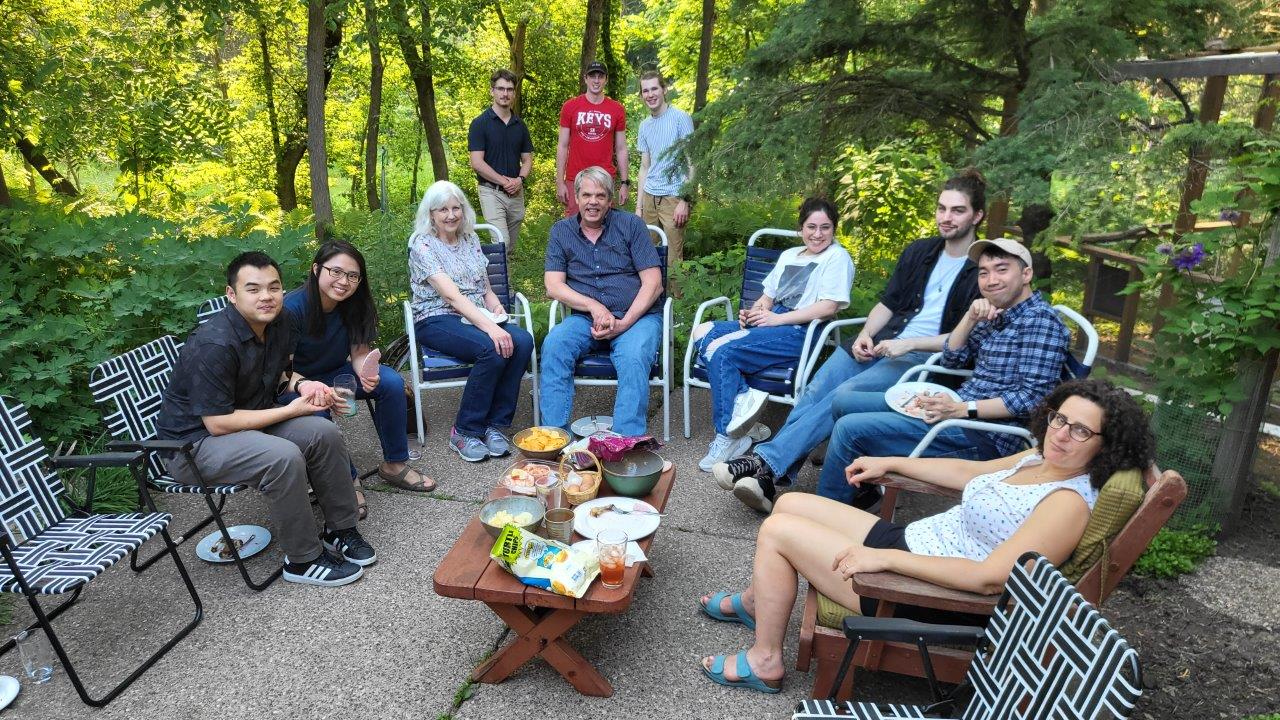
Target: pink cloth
(614, 447)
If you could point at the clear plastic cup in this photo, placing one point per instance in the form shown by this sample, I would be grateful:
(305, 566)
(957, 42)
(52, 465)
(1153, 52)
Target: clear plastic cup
(36, 653)
(345, 388)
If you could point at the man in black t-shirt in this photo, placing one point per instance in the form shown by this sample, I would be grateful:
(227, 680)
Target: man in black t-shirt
(502, 156)
(222, 399)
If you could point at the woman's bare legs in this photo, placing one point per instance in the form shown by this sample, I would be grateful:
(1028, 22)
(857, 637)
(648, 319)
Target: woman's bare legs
(801, 537)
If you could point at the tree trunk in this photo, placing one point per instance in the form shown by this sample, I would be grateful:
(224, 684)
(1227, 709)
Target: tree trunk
(417, 158)
(269, 89)
(517, 63)
(704, 55)
(322, 45)
(420, 69)
(614, 86)
(516, 42)
(590, 37)
(36, 158)
(375, 106)
(5, 201)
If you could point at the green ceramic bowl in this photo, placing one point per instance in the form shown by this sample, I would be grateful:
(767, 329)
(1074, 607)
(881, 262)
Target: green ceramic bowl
(635, 474)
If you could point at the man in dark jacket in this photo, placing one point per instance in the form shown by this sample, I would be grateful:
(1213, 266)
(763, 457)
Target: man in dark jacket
(931, 288)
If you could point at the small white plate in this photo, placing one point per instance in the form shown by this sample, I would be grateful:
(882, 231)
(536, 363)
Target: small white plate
(634, 553)
(8, 690)
(635, 526)
(255, 538)
(899, 395)
(499, 319)
(582, 427)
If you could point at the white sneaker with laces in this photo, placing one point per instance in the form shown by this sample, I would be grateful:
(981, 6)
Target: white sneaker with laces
(746, 408)
(722, 448)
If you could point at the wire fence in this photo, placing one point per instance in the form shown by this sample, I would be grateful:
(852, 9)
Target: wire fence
(1187, 439)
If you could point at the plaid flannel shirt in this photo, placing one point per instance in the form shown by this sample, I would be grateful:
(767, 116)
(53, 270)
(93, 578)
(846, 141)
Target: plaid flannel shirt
(1018, 357)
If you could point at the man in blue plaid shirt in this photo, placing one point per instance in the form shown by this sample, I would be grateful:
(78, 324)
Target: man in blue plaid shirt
(1017, 345)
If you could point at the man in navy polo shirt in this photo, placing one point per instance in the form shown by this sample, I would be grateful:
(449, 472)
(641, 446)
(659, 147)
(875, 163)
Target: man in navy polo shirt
(501, 155)
(601, 263)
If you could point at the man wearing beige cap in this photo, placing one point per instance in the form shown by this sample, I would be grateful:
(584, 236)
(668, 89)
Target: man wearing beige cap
(1017, 346)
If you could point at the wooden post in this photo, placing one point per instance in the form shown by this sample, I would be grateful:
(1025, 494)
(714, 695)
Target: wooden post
(1233, 462)
(1265, 117)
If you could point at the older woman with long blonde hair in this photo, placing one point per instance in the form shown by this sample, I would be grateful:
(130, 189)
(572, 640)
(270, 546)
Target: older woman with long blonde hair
(456, 313)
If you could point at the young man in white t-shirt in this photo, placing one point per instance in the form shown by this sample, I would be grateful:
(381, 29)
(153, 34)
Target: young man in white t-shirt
(809, 282)
(931, 288)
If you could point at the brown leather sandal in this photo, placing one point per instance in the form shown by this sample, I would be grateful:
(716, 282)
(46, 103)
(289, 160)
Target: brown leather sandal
(400, 481)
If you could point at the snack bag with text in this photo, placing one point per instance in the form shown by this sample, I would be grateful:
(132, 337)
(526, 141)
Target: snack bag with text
(545, 564)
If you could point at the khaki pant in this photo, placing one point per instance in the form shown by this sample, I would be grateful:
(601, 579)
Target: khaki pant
(281, 461)
(503, 210)
(660, 210)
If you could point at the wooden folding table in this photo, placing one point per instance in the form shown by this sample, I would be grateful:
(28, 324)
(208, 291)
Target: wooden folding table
(539, 618)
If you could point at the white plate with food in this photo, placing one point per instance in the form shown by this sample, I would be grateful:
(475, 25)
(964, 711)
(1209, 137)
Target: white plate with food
(904, 397)
(595, 515)
(250, 540)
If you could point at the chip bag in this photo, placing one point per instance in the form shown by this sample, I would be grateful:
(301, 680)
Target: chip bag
(545, 564)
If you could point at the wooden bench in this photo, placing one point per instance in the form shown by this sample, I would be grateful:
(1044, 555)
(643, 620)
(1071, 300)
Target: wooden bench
(539, 618)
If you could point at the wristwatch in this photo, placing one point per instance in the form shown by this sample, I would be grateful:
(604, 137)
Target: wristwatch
(973, 409)
(624, 182)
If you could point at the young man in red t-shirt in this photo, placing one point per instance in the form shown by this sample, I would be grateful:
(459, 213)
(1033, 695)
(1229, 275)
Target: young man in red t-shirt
(592, 128)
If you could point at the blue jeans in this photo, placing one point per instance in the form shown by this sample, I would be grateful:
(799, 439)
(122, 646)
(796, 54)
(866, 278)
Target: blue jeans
(866, 426)
(493, 387)
(632, 353)
(389, 417)
(810, 421)
(731, 360)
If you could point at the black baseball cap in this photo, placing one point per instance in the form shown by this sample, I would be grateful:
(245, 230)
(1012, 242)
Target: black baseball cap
(595, 66)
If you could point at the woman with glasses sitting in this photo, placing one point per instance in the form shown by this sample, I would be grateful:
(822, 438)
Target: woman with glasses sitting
(456, 312)
(335, 323)
(1036, 500)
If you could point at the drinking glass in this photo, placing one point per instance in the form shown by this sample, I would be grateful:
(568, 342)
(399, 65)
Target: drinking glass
(345, 388)
(36, 654)
(611, 548)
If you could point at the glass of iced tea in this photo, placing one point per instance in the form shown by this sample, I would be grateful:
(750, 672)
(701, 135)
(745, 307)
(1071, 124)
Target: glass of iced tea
(611, 548)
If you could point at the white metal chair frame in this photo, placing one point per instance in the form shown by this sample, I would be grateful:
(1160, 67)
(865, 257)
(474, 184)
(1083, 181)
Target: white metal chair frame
(522, 313)
(931, 366)
(559, 312)
(809, 353)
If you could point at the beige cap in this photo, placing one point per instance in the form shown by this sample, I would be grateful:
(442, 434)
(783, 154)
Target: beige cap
(1013, 247)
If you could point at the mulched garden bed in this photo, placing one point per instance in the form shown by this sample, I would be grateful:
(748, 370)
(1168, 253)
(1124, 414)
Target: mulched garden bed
(1197, 662)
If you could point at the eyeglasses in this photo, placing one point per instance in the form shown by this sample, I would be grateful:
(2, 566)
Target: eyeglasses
(1079, 433)
(336, 273)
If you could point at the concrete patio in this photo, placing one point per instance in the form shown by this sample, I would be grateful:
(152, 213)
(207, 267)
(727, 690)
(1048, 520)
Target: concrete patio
(388, 647)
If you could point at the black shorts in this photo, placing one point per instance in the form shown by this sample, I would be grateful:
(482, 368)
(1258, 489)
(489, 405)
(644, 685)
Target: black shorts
(885, 535)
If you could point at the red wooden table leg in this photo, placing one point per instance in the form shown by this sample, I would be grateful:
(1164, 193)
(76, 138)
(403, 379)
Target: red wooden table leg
(542, 635)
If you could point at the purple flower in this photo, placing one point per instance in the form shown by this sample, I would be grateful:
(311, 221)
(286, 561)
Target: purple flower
(1229, 215)
(1188, 259)
(1165, 248)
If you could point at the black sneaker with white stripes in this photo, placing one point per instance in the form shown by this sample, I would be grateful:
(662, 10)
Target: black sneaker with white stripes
(326, 571)
(350, 545)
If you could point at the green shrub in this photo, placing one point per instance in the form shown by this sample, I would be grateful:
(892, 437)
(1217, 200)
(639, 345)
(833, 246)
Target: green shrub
(80, 289)
(1176, 552)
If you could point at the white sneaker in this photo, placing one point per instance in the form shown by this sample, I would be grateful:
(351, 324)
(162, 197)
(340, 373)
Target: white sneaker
(722, 448)
(746, 408)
